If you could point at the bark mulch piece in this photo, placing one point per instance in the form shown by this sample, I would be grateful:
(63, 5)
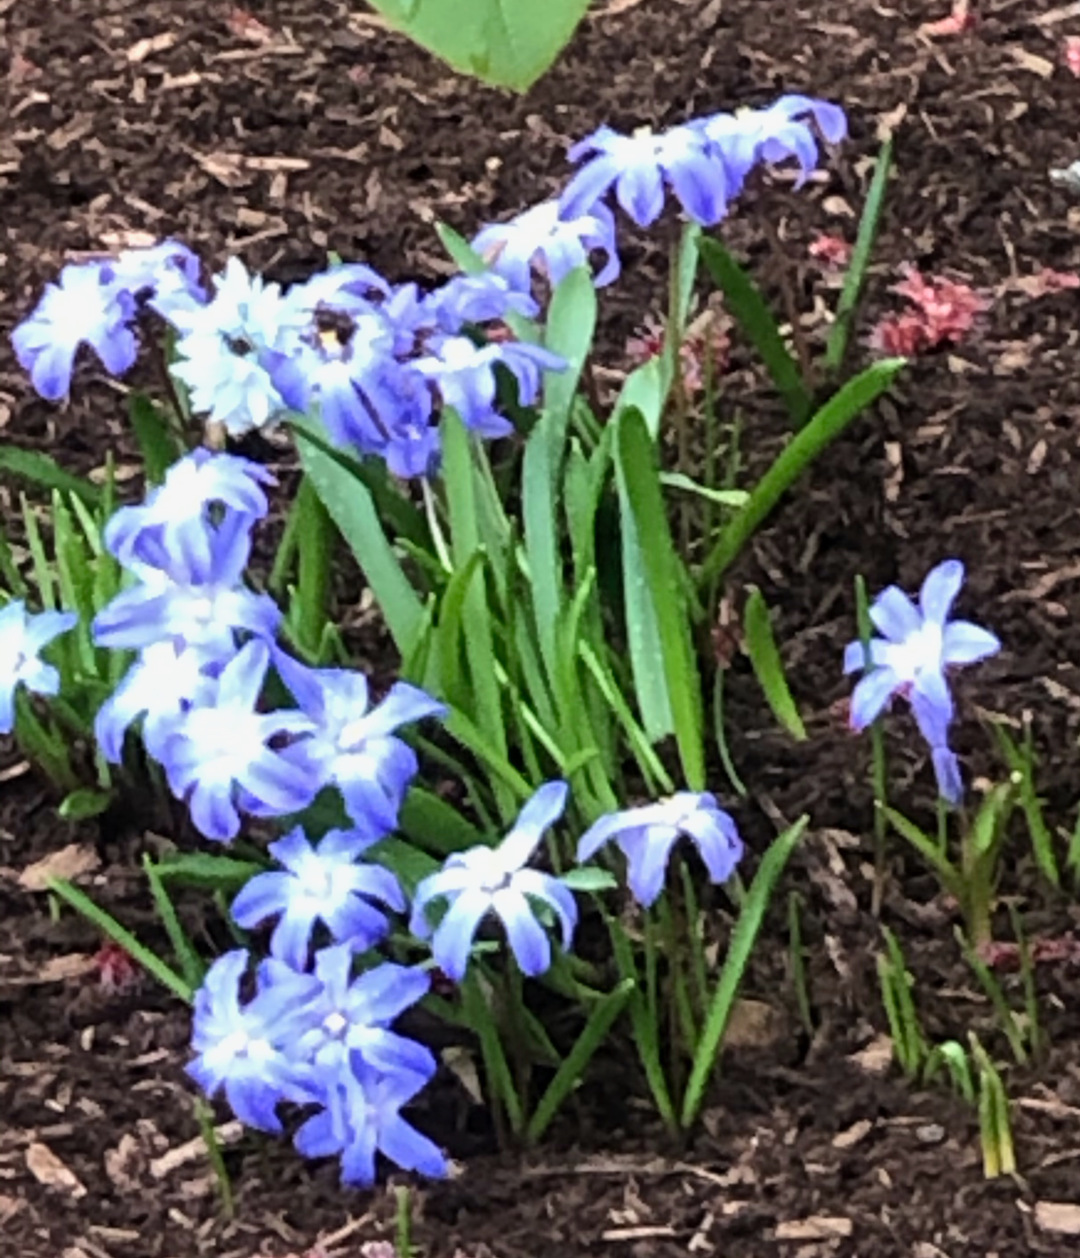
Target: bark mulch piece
(298, 128)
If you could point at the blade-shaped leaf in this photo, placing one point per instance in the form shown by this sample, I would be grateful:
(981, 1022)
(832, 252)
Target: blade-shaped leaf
(767, 665)
(661, 579)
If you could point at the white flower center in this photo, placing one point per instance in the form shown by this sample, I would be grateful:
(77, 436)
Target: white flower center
(920, 651)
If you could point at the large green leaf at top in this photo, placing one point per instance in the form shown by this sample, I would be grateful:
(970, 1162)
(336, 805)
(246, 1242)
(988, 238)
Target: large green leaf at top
(507, 43)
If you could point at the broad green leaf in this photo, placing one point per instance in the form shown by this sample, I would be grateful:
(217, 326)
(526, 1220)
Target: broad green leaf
(570, 324)
(539, 468)
(462, 254)
(661, 579)
(353, 511)
(743, 298)
(767, 665)
(409, 863)
(44, 471)
(506, 43)
(589, 879)
(831, 420)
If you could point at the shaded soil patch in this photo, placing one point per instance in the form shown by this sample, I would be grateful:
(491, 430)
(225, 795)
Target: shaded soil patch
(318, 131)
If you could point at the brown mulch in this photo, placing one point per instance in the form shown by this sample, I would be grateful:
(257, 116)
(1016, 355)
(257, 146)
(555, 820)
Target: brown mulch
(313, 130)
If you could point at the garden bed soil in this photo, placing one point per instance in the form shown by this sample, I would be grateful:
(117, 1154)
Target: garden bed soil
(298, 128)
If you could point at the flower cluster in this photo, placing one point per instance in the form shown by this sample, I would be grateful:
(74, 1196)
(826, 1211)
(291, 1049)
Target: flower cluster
(917, 645)
(205, 643)
(376, 361)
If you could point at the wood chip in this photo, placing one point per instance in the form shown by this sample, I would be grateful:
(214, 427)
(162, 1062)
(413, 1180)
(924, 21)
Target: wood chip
(1033, 62)
(143, 48)
(1062, 1217)
(227, 1133)
(876, 1057)
(822, 1227)
(68, 863)
(852, 1135)
(47, 1169)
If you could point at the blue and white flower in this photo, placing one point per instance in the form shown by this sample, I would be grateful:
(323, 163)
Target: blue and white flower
(539, 238)
(495, 880)
(647, 834)
(324, 883)
(23, 636)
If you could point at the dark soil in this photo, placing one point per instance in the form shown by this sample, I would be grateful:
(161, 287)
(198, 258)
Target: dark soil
(125, 122)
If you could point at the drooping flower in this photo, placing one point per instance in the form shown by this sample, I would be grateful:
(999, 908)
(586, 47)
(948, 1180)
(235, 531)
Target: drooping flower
(174, 519)
(473, 299)
(704, 162)
(323, 883)
(495, 880)
(245, 1049)
(23, 636)
(640, 166)
(192, 597)
(81, 308)
(554, 246)
(167, 271)
(352, 745)
(464, 374)
(647, 834)
(362, 1117)
(918, 644)
(218, 757)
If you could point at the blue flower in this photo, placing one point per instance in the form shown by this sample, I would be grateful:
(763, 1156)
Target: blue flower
(352, 747)
(705, 162)
(82, 308)
(647, 834)
(325, 883)
(22, 638)
(910, 660)
(165, 271)
(190, 597)
(540, 238)
(362, 1117)
(351, 1017)
(174, 520)
(487, 880)
(464, 374)
(246, 1048)
(163, 682)
(225, 346)
(217, 754)
(640, 165)
(774, 134)
(474, 299)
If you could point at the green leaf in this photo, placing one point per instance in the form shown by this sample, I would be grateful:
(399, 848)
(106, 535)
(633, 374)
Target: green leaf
(486, 710)
(827, 424)
(571, 322)
(205, 870)
(950, 876)
(353, 510)
(639, 479)
(109, 926)
(436, 826)
(723, 497)
(740, 947)
(406, 861)
(593, 1034)
(589, 879)
(460, 251)
(191, 964)
(84, 803)
(506, 43)
(46, 473)
(743, 299)
(847, 308)
(767, 665)
(157, 445)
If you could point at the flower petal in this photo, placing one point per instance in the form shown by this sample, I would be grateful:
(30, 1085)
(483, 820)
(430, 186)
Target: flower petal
(871, 694)
(966, 643)
(940, 589)
(528, 939)
(895, 615)
(454, 937)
